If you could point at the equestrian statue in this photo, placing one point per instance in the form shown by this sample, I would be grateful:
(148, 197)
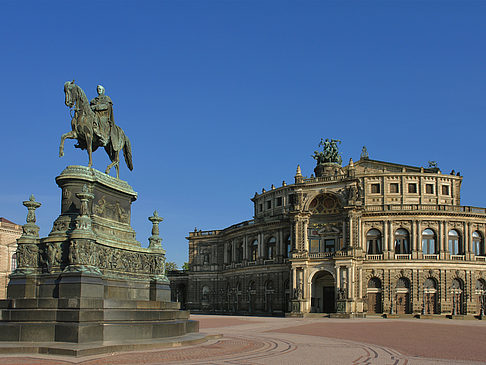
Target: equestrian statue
(93, 126)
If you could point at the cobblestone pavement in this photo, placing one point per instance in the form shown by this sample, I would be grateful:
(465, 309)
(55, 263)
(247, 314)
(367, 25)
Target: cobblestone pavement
(258, 340)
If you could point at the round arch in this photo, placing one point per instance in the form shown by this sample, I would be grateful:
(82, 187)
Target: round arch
(323, 203)
(323, 292)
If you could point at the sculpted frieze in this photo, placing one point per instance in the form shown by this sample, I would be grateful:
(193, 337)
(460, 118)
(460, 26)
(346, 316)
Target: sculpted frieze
(27, 255)
(107, 209)
(86, 252)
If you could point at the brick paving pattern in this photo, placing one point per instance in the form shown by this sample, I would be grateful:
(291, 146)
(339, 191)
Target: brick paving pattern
(272, 341)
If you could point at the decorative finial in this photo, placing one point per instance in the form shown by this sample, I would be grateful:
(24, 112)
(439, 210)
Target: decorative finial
(30, 229)
(298, 176)
(284, 183)
(364, 153)
(263, 190)
(273, 187)
(351, 162)
(433, 164)
(155, 240)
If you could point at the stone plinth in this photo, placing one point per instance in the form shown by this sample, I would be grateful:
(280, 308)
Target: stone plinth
(90, 280)
(328, 169)
(110, 207)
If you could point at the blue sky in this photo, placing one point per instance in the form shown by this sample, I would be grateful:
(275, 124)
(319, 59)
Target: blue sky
(223, 98)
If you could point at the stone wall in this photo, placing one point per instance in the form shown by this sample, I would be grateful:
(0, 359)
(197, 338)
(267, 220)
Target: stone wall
(9, 232)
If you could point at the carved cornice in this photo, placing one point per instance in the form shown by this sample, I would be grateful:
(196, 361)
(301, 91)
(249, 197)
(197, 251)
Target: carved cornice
(92, 175)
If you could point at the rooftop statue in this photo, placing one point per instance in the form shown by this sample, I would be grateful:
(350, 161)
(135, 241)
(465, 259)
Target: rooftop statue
(93, 126)
(330, 153)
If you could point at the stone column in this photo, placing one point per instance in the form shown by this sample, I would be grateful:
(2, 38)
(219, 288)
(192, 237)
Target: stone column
(225, 253)
(351, 229)
(440, 239)
(385, 238)
(446, 240)
(361, 241)
(260, 245)
(233, 250)
(305, 291)
(418, 243)
(245, 247)
(294, 281)
(350, 281)
(338, 277)
(360, 283)
(305, 225)
(468, 250)
(344, 234)
(412, 238)
(391, 247)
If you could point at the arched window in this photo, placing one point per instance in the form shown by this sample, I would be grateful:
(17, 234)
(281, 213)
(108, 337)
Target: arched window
(205, 293)
(403, 283)
(374, 283)
(478, 243)
(269, 285)
(455, 243)
(254, 250)
(429, 246)
(271, 244)
(430, 284)
(373, 241)
(13, 262)
(402, 241)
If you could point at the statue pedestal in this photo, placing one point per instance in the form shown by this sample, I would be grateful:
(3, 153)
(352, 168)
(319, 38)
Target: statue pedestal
(328, 169)
(90, 281)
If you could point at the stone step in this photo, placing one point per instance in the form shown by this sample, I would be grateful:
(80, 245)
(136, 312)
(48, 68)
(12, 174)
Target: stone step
(67, 303)
(94, 331)
(90, 315)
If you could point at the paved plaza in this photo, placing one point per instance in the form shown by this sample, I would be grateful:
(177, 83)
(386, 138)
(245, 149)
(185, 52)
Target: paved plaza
(262, 340)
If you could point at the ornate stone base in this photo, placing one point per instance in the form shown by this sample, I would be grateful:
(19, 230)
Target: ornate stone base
(90, 281)
(328, 169)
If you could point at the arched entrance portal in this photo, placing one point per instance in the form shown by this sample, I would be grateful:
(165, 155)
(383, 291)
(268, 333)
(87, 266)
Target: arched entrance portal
(374, 296)
(323, 293)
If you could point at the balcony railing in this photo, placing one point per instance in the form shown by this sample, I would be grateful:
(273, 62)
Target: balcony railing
(321, 255)
(374, 257)
(431, 257)
(457, 257)
(425, 207)
(481, 258)
(403, 256)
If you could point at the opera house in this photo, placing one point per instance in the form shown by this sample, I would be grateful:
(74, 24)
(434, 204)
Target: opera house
(371, 237)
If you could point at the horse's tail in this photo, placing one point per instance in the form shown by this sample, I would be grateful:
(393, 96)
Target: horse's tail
(127, 152)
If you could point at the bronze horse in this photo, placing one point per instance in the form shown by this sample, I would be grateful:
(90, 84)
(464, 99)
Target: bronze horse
(84, 129)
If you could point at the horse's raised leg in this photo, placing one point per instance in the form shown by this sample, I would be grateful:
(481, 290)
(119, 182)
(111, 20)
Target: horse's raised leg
(68, 135)
(115, 163)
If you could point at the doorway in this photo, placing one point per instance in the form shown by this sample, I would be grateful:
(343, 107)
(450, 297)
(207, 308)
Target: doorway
(323, 298)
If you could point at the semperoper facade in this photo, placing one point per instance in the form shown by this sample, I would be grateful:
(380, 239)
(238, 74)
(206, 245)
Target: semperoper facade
(370, 237)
